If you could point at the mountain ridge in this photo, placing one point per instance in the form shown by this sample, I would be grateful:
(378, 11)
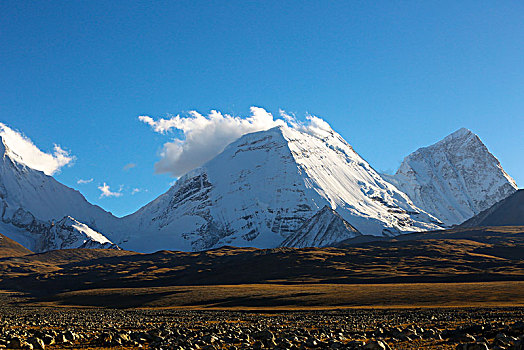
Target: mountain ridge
(277, 179)
(264, 189)
(322, 229)
(31, 202)
(507, 212)
(454, 178)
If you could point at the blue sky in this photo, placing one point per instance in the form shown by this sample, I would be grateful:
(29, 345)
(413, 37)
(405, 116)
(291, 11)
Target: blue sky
(388, 76)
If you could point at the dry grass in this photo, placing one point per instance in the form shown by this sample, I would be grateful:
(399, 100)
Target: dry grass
(418, 270)
(296, 297)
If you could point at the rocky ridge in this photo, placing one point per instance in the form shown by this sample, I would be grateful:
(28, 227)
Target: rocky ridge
(453, 179)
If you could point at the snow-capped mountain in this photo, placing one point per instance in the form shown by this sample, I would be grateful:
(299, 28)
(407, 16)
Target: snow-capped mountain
(293, 186)
(37, 211)
(69, 233)
(325, 228)
(507, 212)
(265, 186)
(454, 179)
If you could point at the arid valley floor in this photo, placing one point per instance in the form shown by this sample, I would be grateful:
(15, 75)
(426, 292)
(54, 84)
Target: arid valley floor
(455, 289)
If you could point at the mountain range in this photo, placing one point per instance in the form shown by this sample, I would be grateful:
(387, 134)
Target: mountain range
(280, 187)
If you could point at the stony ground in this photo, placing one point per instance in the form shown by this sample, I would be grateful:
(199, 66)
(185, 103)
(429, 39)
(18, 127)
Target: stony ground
(66, 328)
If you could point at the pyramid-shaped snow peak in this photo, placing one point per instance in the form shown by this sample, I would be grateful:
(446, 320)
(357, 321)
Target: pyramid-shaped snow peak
(454, 179)
(325, 228)
(265, 186)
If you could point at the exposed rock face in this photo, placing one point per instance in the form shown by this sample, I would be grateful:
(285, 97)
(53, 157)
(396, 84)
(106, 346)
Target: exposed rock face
(454, 179)
(263, 187)
(69, 233)
(325, 228)
(507, 212)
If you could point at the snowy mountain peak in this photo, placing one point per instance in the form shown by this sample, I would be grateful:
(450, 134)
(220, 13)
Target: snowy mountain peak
(462, 137)
(9, 155)
(31, 202)
(3, 147)
(266, 185)
(453, 179)
(325, 228)
(459, 133)
(7, 152)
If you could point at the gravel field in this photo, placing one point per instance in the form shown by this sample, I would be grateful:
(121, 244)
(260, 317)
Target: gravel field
(444, 328)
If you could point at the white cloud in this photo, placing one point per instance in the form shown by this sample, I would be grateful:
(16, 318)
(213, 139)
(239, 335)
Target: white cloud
(206, 136)
(135, 190)
(314, 126)
(23, 150)
(81, 181)
(106, 191)
(129, 166)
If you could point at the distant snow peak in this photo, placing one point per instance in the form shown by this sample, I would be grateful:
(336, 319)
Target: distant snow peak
(23, 150)
(69, 233)
(42, 214)
(453, 179)
(325, 228)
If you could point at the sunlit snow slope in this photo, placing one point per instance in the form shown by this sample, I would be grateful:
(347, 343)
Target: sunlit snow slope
(294, 186)
(263, 187)
(454, 179)
(325, 228)
(37, 210)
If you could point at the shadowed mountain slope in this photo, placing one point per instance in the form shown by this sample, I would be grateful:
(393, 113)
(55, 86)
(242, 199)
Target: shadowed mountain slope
(10, 248)
(507, 212)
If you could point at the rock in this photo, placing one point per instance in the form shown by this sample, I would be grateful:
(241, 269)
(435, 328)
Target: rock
(312, 343)
(48, 339)
(209, 338)
(472, 346)
(37, 343)
(123, 338)
(264, 335)
(70, 336)
(60, 338)
(376, 345)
